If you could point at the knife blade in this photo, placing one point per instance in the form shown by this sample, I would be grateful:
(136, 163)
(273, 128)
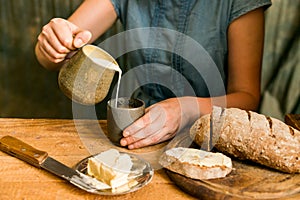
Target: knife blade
(217, 118)
(211, 129)
(40, 159)
(207, 143)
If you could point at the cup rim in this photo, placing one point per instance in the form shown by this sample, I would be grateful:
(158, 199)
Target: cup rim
(109, 103)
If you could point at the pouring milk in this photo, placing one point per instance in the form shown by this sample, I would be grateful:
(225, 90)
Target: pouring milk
(110, 65)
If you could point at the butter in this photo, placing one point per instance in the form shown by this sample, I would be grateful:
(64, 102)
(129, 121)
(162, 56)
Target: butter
(110, 167)
(200, 157)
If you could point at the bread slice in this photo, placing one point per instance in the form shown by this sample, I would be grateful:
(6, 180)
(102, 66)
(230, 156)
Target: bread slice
(251, 136)
(196, 163)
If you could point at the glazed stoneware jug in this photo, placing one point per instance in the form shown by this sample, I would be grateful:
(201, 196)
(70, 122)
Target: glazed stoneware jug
(86, 77)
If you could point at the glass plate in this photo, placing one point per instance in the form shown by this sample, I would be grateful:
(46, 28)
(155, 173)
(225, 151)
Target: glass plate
(141, 174)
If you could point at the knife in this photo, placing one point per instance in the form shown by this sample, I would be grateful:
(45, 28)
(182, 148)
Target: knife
(207, 143)
(40, 159)
(211, 129)
(217, 118)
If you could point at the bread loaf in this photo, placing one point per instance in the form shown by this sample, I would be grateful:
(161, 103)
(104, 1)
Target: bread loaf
(195, 163)
(252, 136)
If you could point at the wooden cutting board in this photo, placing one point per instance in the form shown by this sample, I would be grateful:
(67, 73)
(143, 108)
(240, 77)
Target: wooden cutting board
(246, 181)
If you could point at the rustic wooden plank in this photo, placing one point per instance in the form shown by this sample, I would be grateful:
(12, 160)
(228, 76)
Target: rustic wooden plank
(60, 138)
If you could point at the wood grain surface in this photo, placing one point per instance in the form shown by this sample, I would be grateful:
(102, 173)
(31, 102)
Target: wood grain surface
(247, 181)
(69, 142)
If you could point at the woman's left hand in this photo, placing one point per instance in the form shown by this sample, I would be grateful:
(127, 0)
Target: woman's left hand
(160, 123)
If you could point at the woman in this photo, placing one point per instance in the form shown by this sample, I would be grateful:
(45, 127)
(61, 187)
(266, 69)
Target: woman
(231, 31)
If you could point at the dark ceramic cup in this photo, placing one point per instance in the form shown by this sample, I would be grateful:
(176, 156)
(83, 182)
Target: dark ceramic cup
(127, 111)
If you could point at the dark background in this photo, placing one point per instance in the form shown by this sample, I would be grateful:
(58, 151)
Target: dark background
(29, 91)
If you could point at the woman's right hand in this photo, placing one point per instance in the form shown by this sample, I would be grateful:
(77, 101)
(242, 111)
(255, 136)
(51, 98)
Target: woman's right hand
(58, 38)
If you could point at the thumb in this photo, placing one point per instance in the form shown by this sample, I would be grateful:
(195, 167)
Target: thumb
(81, 38)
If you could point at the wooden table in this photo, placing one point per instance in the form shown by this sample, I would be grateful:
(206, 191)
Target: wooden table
(69, 142)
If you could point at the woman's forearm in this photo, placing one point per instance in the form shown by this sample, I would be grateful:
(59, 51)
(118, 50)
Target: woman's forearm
(194, 107)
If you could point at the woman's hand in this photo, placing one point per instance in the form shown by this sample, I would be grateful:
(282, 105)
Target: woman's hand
(58, 38)
(160, 122)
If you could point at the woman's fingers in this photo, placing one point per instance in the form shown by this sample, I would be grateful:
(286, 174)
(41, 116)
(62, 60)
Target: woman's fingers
(143, 123)
(59, 37)
(81, 38)
(50, 53)
(154, 127)
(64, 32)
(160, 136)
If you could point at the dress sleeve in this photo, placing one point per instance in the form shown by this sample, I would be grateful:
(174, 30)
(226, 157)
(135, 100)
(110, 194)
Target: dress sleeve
(116, 4)
(241, 7)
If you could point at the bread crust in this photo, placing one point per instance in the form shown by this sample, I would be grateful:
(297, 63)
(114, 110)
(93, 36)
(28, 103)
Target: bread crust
(252, 136)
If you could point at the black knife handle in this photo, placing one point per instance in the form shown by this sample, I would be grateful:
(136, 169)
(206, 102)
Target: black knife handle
(23, 151)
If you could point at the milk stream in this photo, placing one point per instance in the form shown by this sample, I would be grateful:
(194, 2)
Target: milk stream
(110, 65)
